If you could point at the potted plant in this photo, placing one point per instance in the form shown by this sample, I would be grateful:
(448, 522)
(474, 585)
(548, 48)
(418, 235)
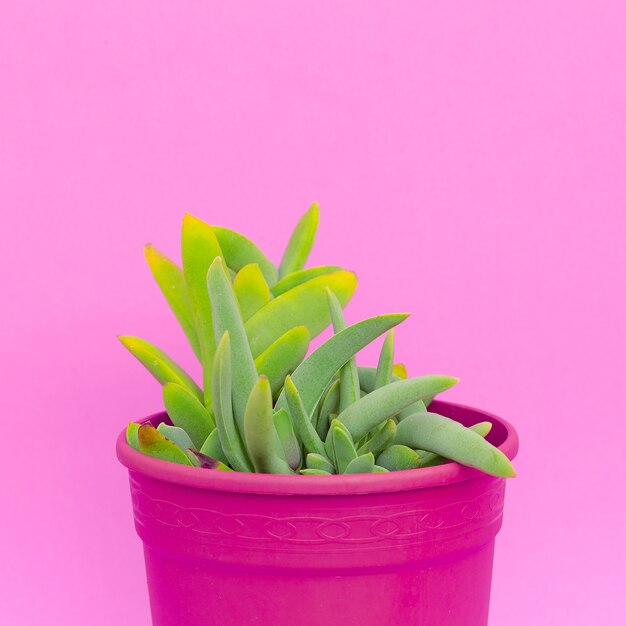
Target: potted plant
(296, 487)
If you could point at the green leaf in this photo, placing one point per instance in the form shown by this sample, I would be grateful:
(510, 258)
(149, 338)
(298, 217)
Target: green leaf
(199, 249)
(384, 371)
(226, 318)
(340, 447)
(164, 369)
(295, 279)
(349, 390)
(320, 462)
(363, 464)
(315, 373)
(251, 290)
(329, 405)
(482, 428)
(153, 443)
(302, 306)
(302, 424)
(131, 435)
(171, 281)
(452, 440)
(212, 447)
(381, 439)
(259, 430)
(377, 406)
(398, 457)
(428, 459)
(414, 407)
(314, 472)
(240, 251)
(283, 356)
(300, 243)
(367, 378)
(187, 412)
(177, 435)
(287, 439)
(379, 470)
(230, 438)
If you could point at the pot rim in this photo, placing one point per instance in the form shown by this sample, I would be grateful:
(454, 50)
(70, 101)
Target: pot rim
(298, 485)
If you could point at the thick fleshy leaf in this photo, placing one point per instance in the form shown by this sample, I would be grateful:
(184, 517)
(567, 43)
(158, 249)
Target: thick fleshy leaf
(259, 430)
(301, 421)
(303, 306)
(314, 472)
(206, 462)
(317, 461)
(398, 457)
(340, 447)
(381, 439)
(436, 433)
(300, 243)
(161, 366)
(379, 470)
(251, 290)
(171, 281)
(367, 378)
(230, 438)
(428, 459)
(414, 407)
(188, 413)
(132, 431)
(177, 435)
(482, 428)
(240, 251)
(329, 405)
(154, 444)
(349, 389)
(227, 318)
(283, 356)
(298, 278)
(287, 439)
(199, 249)
(314, 374)
(363, 464)
(376, 407)
(212, 447)
(384, 371)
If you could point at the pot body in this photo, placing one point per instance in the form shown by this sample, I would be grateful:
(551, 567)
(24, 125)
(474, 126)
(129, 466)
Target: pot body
(419, 551)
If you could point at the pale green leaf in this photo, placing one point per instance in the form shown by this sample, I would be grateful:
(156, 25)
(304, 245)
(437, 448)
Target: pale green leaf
(283, 356)
(376, 407)
(240, 251)
(227, 318)
(259, 430)
(300, 243)
(444, 436)
(161, 366)
(187, 412)
(171, 281)
(314, 374)
(302, 306)
(199, 249)
(230, 438)
(251, 290)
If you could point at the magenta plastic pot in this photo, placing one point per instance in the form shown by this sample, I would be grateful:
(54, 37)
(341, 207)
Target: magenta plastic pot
(233, 549)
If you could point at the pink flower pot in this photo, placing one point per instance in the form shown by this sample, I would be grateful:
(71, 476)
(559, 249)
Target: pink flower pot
(233, 549)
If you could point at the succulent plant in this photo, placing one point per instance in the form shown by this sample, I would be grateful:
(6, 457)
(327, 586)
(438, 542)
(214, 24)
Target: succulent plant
(265, 404)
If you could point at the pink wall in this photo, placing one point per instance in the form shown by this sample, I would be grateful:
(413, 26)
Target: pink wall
(469, 161)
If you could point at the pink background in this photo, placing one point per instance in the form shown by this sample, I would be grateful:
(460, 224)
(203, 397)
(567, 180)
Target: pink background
(469, 161)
